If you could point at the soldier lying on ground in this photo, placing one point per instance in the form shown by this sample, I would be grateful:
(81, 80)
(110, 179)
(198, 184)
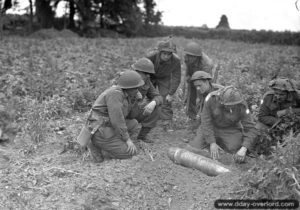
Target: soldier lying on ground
(226, 124)
(114, 136)
(281, 100)
(166, 78)
(202, 82)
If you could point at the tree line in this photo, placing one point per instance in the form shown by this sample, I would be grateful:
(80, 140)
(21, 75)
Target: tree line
(129, 17)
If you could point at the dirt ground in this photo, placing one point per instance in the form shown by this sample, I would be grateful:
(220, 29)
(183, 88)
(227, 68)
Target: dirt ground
(54, 175)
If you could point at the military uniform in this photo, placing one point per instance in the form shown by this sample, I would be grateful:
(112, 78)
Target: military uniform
(267, 115)
(229, 129)
(109, 113)
(167, 78)
(148, 92)
(204, 64)
(201, 97)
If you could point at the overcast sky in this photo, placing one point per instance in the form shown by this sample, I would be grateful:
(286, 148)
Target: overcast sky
(277, 15)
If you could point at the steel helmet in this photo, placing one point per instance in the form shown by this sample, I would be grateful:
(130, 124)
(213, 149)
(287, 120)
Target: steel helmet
(282, 83)
(193, 48)
(144, 65)
(199, 75)
(230, 96)
(130, 79)
(166, 45)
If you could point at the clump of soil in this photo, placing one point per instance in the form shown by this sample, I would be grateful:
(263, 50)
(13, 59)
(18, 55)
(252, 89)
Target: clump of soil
(55, 175)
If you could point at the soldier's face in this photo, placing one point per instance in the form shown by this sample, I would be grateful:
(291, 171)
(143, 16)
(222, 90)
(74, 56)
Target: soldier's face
(202, 86)
(165, 56)
(132, 92)
(281, 95)
(189, 59)
(232, 108)
(143, 75)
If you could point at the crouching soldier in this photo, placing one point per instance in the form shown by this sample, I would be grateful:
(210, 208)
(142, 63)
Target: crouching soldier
(226, 124)
(283, 99)
(146, 110)
(113, 134)
(202, 82)
(195, 60)
(166, 78)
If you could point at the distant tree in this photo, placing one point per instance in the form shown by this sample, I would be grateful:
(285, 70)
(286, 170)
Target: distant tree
(223, 24)
(44, 13)
(204, 26)
(31, 15)
(4, 5)
(151, 17)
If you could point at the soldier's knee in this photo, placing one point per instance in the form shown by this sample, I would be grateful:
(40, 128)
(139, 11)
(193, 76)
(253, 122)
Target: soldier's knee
(261, 127)
(132, 124)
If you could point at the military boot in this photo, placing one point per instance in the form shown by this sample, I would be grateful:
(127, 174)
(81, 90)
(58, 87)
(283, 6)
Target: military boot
(143, 135)
(95, 152)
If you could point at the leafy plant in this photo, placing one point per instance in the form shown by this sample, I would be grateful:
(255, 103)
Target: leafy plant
(275, 178)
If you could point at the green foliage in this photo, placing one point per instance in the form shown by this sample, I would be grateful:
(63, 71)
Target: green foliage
(276, 178)
(253, 36)
(36, 116)
(268, 141)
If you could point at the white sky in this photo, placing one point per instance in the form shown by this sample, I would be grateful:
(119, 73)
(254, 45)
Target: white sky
(277, 15)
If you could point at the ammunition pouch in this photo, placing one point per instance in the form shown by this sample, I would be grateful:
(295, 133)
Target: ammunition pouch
(90, 128)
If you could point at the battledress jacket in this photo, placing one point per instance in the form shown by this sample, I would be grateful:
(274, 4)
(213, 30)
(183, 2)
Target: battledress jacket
(148, 91)
(206, 65)
(201, 97)
(214, 116)
(167, 74)
(111, 109)
(268, 110)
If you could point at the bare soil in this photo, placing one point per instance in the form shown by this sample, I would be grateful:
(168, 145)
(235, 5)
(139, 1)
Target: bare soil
(55, 175)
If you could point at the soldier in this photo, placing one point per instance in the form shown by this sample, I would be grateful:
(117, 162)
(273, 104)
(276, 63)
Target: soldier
(113, 134)
(195, 60)
(283, 99)
(146, 110)
(226, 124)
(167, 76)
(202, 82)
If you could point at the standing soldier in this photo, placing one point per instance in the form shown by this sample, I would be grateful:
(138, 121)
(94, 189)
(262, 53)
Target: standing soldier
(226, 124)
(203, 85)
(195, 60)
(146, 110)
(111, 133)
(283, 99)
(167, 76)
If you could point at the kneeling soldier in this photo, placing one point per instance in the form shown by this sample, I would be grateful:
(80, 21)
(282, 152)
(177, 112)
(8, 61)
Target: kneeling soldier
(202, 82)
(113, 134)
(284, 98)
(226, 124)
(146, 110)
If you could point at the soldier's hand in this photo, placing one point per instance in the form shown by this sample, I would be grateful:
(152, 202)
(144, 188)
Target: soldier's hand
(148, 109)
(239, 157)
(139, 96)
(131, 147)
(214, 150)
(281, 113)
(169, 98)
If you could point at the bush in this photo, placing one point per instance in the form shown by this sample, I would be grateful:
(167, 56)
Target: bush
(276, 178)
